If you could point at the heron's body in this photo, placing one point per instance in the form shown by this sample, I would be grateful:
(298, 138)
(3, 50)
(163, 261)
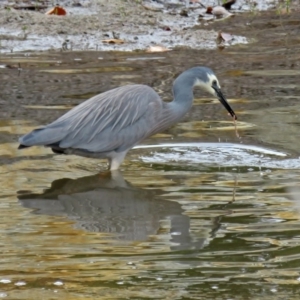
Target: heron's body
(111, 123)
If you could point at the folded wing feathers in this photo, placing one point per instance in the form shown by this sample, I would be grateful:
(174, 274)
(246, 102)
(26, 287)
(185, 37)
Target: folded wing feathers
(102, 124)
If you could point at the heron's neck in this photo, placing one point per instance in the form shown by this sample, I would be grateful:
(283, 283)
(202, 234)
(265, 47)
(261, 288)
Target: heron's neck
(183, 94)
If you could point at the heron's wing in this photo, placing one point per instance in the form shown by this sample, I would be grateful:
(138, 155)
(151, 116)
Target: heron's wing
(114, 120)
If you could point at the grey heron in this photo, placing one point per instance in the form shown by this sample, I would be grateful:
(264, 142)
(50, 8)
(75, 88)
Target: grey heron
(108, 125)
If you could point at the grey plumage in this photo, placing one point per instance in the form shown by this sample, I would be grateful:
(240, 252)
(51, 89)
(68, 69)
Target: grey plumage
(109, 124)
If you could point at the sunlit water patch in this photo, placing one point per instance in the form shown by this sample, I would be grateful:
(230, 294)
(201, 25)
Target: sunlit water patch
(219, 154)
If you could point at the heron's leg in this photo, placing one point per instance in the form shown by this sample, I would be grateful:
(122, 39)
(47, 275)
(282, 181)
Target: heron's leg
(116, 160)
(109, 162)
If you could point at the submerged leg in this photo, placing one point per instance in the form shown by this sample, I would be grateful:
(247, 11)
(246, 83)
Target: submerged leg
(109, 162)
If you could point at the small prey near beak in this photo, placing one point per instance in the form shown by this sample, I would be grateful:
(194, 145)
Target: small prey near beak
(223, 100)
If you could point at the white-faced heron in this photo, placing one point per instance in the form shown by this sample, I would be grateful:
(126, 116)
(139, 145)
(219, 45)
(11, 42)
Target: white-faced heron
(108, 125)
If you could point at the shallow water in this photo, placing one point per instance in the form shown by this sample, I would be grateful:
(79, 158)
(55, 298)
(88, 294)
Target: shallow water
(195, 213)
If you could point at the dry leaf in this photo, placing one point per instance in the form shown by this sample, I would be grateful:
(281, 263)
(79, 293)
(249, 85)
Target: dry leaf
(218, 12)
(57, 10)
(166, 28)
(184, 13)
(224, 37)
(153, 49)
(113, 41)
(209, 10)
(228, 4)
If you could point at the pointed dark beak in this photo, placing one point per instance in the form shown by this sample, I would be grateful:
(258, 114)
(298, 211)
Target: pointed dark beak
(223, 100)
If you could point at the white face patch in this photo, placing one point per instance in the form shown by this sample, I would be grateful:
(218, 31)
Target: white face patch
(207, 86)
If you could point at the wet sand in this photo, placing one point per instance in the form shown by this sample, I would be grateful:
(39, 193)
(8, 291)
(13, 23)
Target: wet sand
(138, 24)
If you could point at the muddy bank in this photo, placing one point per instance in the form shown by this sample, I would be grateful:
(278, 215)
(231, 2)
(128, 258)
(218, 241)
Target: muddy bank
(139, 24)
(260, 79)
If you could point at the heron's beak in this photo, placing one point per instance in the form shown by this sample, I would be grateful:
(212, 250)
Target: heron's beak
(223, 100)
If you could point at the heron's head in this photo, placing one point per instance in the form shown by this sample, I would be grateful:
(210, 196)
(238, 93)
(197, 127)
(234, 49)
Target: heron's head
(208, 81)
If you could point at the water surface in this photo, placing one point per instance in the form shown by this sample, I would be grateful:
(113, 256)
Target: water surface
(196, 213)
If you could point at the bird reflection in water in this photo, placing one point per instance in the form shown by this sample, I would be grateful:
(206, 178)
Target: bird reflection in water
(108, 203)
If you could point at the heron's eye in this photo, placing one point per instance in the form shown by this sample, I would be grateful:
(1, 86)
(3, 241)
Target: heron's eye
(214, 83)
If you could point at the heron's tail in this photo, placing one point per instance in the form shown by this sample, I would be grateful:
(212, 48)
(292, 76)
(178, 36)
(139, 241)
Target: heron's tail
(41, 137)
(22, 146)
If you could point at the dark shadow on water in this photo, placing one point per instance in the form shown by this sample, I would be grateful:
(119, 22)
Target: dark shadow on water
(108, 203)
